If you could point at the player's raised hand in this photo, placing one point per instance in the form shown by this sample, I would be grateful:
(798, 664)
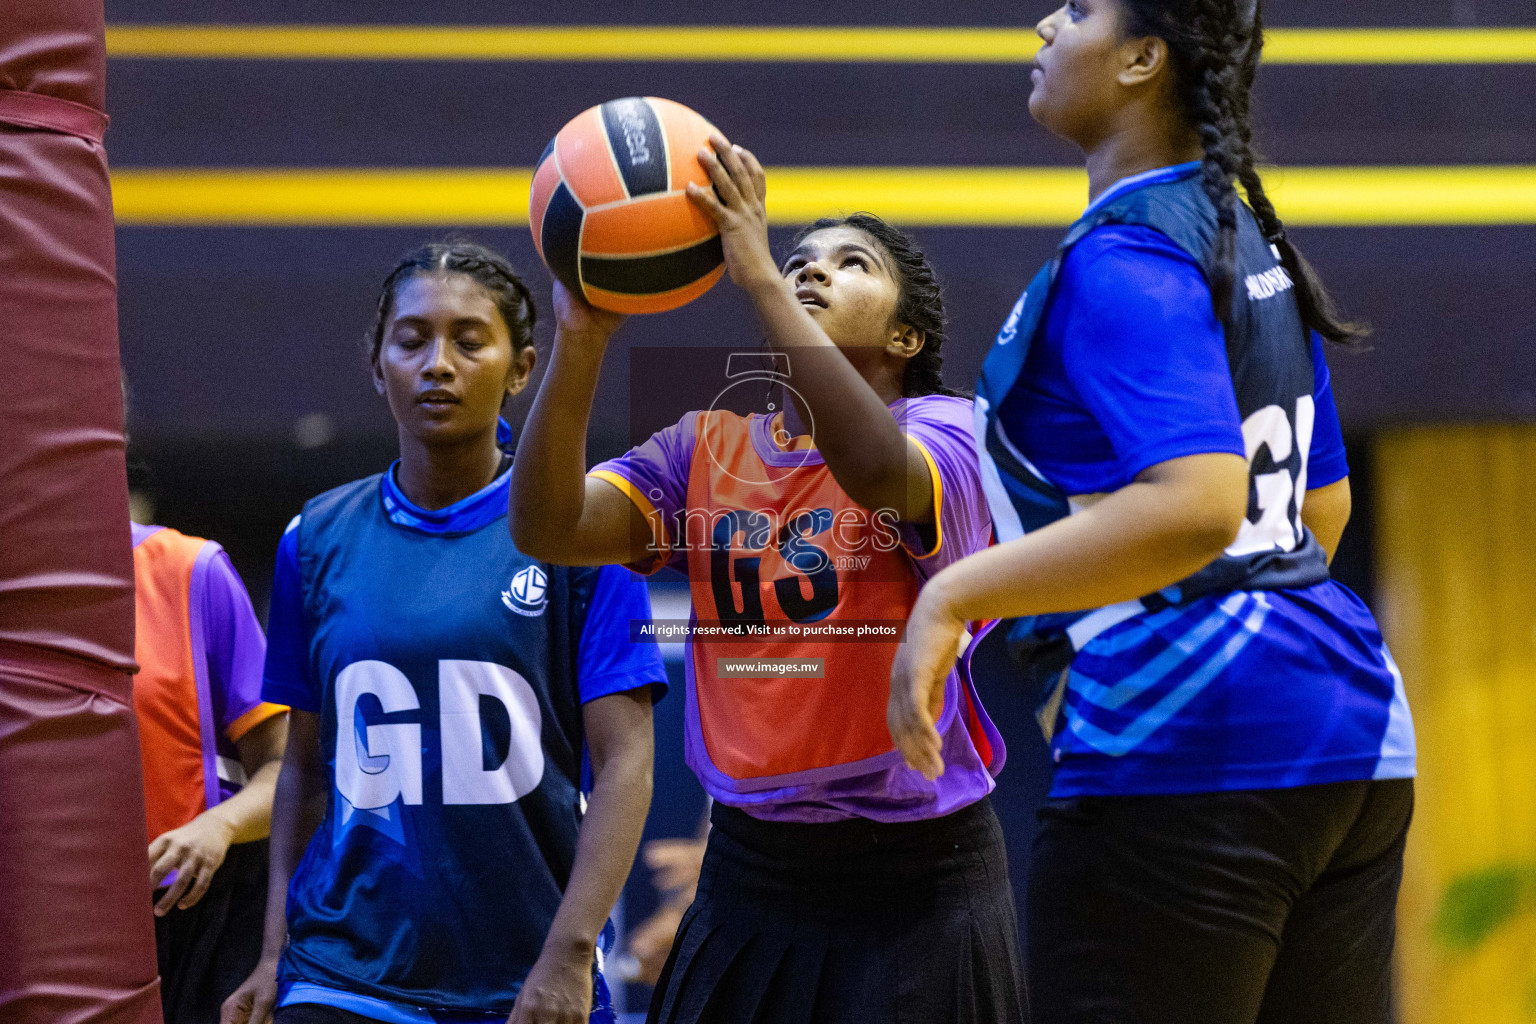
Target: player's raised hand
(737, 205)
(927, 652)
(577, 321)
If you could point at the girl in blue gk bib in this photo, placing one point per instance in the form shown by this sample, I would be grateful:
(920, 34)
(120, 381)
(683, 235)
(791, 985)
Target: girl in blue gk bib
(1168, 482)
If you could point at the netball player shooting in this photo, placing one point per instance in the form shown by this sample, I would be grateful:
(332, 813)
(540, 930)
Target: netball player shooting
(838, 885)
(451, 698)
(1234, 752)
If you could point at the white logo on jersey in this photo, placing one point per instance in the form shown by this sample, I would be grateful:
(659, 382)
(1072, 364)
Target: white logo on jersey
(529, 592)
(1011, 327)
(1268, 284)
(381, 764)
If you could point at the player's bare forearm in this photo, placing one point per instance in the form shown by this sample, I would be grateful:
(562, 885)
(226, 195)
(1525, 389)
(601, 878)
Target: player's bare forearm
(1173, 521)
(556, 512)
(1326, 513)
(872, 461)
(298, 807)
(865, 449)
(619, 736)
(248, 813)
(549, 472)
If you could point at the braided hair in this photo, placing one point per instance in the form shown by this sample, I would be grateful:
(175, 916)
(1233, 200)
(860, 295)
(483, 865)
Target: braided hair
(1214, 47)
(919, 304)
(489, 269)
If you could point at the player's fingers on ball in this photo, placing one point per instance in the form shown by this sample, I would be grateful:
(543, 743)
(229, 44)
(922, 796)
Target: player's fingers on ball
(720, 175)
(755, 172)
(706, 200)
(737, 167)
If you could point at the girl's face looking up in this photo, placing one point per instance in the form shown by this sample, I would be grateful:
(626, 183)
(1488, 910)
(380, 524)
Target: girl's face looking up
(848, 283)
(446, 362)
(1076, 77)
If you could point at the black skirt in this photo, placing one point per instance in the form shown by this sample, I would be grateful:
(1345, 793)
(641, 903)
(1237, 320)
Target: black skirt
(851, 921)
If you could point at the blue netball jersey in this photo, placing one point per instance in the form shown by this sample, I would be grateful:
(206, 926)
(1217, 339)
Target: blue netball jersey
(449, 672)
(1236, 689)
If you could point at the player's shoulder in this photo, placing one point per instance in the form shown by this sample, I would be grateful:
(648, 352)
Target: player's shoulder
(936, 410)
(720, 425)
(338, 499)
(1120, 250)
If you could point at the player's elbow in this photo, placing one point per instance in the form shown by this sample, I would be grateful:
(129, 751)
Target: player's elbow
(1217, 514)
(531, 539)
(1207, 501)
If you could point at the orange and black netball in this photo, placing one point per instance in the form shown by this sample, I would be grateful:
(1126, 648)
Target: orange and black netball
(610, 214)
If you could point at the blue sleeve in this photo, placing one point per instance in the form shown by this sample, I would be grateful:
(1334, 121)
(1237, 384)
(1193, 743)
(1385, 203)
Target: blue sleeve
(609, 661)
(1326, 461)
(287, 678)
(1143, 349)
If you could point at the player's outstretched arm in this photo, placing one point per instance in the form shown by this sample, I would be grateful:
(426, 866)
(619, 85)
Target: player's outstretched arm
(556, 513)
(869, 456)
(618, 730)
(1172, 521)
(298, 807)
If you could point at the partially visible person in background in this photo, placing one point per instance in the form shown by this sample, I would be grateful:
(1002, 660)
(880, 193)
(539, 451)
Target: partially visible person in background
(675, 868)
(212, 749)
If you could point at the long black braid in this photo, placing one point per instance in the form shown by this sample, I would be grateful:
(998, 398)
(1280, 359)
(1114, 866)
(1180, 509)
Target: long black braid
(487, 268)
(1215, 47)
(920, 305)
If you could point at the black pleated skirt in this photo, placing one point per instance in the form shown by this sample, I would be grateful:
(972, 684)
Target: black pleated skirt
(851, 921)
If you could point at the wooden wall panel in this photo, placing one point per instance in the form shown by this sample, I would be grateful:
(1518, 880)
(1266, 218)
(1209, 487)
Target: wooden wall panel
(1456, 540)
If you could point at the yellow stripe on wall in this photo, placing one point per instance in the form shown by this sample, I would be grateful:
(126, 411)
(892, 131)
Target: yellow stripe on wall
(931, 196)
(789, 43)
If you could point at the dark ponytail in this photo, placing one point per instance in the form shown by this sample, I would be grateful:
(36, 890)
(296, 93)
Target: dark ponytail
(489, 269)
(1215, 46)
(920, 305)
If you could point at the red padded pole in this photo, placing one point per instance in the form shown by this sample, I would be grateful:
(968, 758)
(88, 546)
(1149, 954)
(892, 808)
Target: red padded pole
(75, 925)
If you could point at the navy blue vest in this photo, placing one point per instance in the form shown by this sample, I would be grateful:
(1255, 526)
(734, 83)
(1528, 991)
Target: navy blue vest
(1270, 357)
(451, 727)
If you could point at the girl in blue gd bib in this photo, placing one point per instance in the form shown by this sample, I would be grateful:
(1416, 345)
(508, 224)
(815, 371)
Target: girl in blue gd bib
(1168, 482)
(469, 764)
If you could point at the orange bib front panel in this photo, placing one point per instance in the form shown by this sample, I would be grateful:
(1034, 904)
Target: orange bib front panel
(779, 549)
(165, 692)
